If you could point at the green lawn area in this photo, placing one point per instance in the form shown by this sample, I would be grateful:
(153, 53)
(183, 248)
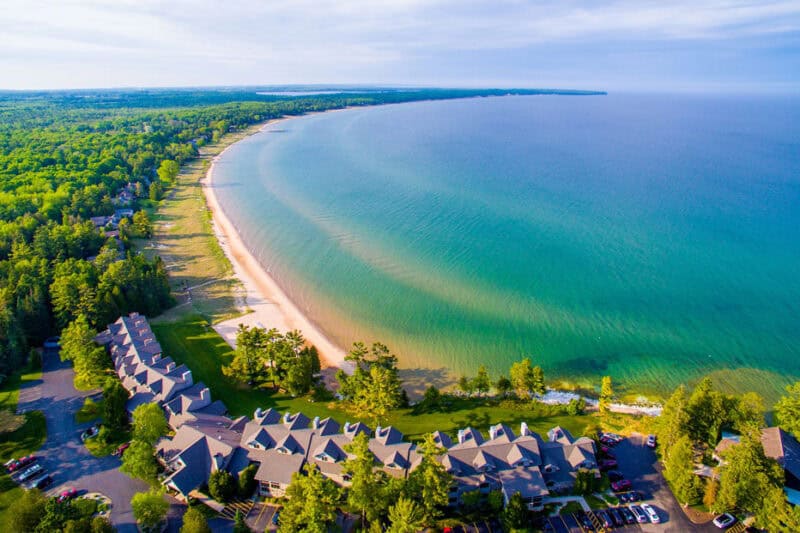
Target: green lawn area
(91, 410)
(192, 342)
(24, 440)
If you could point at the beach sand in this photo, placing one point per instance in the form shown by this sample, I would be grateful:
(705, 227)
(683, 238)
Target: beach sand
(271, 307)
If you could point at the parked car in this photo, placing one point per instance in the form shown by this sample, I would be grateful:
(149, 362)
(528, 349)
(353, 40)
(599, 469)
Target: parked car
(616, 517)
(608, 464)
(607, 441)
(630, 497)
(651, 441)
(122, 447)
(40, 482)
(276, 517)
(640, 515)
(16, 465)
(614, 437)
(621, 485)
(651, 513)
(604, 518)
(627, 515)
(90, 433)
(724, 521)
(585, 521)
(30, 472)
(614, 475)
(67, 494)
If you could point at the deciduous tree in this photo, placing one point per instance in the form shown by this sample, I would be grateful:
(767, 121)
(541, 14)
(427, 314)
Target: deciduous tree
(311, 504)
(149, 508)
(405, 516)
(787, 410)
(194, 522)
(149, 423)
(430, 482)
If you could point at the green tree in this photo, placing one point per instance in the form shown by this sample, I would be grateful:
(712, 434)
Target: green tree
(710, 493)
(194, 522)
(466, 385)
(168, 170)
(673, 421)
(787, 410)
(364, 492)
(482, 383)
(115, 398)
(585, 482)
(246, 483)
(405, 516)
(139, 461)
(149, 423)
(747, 475)
(156, 191)
(679, 471)
(249, 358)
(430, 482)
(379, 394)
(521, 374)
(149, 508)
(101, 524)
(606, 394)
(537, 379)
(748, 412)
(311, 504)
(239, 525)
(221, 485)
(515, 515)
(705, 413)
(28, 511)
(142, 224)
(776, 514)
(503, 385)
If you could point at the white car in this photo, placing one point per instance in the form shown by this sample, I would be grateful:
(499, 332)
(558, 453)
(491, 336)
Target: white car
(651, 441)
(651, 513)
(724, 521)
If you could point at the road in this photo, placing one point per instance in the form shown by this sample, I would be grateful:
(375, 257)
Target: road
(65, 457)
(639, 463)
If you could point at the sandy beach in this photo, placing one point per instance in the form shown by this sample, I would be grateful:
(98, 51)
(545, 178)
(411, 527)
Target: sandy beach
(270, 306)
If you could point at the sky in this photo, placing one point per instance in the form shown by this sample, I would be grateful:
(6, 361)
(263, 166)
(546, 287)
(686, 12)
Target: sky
(615, 45)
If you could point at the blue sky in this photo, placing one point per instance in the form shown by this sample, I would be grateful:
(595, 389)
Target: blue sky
(683, 45)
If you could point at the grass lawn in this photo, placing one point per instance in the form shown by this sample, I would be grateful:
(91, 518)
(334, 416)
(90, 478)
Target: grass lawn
(100, 447)
(91, 410)
(572, 507)
(184, 238)
(24, 440)
(193, 342)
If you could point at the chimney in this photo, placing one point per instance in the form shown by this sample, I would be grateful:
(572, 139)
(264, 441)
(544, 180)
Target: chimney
(286, 417)
(170, 367)
(205, 395)
(523, 430)
(378, 431)
(492, 432)
(461, 436)
(257, 414)
(156, 358)
(148, 340)
(187, 376)
(315, 423)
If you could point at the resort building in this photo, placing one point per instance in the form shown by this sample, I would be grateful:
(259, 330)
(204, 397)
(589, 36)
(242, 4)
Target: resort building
(778, 445)
(280, 445)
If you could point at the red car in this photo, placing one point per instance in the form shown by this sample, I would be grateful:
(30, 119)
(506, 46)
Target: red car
(621, 485)
(21, 462)
(119, 451)
(67, 494)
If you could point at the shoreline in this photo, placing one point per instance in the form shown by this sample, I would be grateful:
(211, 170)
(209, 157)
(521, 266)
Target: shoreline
(265, 302)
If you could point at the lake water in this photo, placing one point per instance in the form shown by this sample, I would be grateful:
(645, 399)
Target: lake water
(651, 238)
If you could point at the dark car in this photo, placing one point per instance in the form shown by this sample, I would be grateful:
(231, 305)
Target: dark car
(52, 343)
(608, 464)
(585, 521)
(40, 482)
(630, 497)
(627, 515)
(621, 485)
(604, 518)
(614, 475)
(616, 516)
(276, 517)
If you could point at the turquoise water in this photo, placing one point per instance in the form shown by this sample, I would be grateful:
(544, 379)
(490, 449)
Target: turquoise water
(652, 238)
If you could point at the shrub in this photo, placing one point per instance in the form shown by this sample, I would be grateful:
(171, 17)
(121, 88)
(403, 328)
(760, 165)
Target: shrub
(221, 485)
(247, 481)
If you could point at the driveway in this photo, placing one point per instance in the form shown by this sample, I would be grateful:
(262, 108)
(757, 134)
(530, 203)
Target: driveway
(639, 463)
(65, 457)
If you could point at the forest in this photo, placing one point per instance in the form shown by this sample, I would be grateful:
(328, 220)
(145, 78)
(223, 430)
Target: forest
(68, 158)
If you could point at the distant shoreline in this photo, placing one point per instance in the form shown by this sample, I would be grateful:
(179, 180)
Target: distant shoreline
(270, 306)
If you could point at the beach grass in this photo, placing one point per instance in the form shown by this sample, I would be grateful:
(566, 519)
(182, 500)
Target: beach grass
(184, 238)
(192, 341)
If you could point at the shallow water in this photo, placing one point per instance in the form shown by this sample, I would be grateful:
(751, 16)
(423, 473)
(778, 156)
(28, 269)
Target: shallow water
(652, 238)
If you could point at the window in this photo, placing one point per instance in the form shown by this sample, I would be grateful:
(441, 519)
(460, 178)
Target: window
(274, 485)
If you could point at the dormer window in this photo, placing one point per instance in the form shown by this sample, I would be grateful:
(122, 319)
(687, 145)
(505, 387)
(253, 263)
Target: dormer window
(324, 457)
(284, 450)
(255, 445)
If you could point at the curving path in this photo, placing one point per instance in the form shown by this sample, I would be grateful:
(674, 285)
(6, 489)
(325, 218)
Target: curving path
(65, 457)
